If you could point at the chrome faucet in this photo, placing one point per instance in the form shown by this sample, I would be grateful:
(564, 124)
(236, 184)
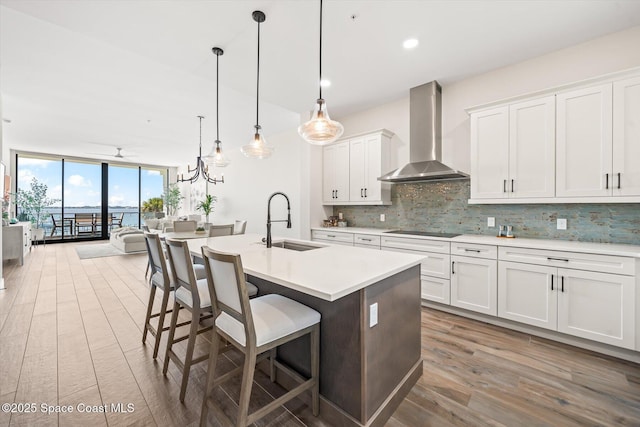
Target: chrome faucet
(288, 220)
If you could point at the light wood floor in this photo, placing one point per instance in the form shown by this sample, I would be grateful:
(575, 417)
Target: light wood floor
(70, 334)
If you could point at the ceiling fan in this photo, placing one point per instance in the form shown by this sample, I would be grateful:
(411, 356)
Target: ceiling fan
(119, 154)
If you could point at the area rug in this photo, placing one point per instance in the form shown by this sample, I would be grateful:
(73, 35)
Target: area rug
(98, 250)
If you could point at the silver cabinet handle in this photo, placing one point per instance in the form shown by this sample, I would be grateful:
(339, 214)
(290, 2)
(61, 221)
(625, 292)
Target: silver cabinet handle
(552, 282)
(365, 240)
(331, 235)
(557, 259)
(618, 180)
(472, 250)
(361, 194)
(504, 186)
(512, 186)
(365, 192)
(607, 185)
(453, 270)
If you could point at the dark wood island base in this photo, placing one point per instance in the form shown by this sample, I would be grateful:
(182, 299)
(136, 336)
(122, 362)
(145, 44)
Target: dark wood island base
(365, 372)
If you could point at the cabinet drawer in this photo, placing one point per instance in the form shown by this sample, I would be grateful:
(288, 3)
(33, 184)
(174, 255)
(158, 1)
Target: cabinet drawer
(421, 245)
(572, 260)
(435, 264)
(367, 239)
(434, 289)
(332, 236)
(474, 250)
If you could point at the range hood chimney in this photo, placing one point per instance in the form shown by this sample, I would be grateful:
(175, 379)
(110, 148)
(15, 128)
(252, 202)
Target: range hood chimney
(425, 144)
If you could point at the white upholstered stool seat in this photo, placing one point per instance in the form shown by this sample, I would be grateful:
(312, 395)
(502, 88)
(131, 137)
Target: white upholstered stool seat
(274, 317)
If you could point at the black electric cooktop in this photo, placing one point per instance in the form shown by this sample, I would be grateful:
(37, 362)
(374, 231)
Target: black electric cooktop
(423, 233)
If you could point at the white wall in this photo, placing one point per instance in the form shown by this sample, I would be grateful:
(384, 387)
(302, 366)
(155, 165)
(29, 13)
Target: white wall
(250, 182)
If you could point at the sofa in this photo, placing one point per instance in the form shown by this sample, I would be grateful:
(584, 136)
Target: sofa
(128, 239)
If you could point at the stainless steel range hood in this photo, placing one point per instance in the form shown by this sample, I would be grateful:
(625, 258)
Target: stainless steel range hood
(425, 144)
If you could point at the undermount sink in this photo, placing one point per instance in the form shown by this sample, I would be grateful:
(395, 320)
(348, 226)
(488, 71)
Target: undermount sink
(294, 246)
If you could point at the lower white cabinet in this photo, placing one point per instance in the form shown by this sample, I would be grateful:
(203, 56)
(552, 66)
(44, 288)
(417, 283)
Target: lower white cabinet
(334, 237)
(474, 284)
(587, 304)
(16, 241)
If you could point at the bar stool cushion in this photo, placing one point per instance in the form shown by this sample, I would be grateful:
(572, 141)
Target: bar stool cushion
(184, 295)
(274, 317)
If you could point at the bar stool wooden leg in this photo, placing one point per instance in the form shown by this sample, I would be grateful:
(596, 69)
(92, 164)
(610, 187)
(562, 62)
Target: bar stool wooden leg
(272, 364)
(147, 319)
(188, 358)
(315, 369)
(211, 371)
(160, 329)
(172, 332)
(247, 382)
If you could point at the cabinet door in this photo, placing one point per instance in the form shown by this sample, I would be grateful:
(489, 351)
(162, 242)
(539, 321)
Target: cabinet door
(597, 306)
(489, 153)
(342, 172)
(626, 137)
(335, 173)
(525, 294)
(434, 289)
(474, 284)
(584, 142)
(373, 167)
(532, 160)
(357, 169)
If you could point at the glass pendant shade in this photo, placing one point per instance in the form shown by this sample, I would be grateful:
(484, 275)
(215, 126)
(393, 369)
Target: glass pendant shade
(216, 157)
(258, 148)
(320, 130)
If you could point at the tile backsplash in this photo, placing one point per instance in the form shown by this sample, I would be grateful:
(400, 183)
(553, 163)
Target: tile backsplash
(442, 207)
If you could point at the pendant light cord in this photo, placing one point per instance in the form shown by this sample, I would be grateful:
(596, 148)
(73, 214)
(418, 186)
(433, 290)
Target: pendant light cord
(217, 109)
(258, 81)
(320, 82)
(200, 145)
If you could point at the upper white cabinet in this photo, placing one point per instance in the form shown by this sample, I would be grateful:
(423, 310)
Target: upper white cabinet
(335, 173)
(367, 158)
(576, 144)
(626, 137)
(584, 142)
(512, 150)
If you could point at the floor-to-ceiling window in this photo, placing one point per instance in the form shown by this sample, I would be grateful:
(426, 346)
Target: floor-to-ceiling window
(86, 198)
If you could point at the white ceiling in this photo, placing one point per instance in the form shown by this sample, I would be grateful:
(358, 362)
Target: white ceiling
(80, 77)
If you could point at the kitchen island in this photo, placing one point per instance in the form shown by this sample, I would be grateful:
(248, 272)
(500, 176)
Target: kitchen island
(370, 329)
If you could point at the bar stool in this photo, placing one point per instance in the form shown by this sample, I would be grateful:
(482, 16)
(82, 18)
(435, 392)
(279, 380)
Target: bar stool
(160, 278)
(255, 327)
(190, 293)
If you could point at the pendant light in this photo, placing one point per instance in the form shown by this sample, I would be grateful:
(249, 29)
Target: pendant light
(320, 130)
(258, 148)
(200, 169)
(216, 157)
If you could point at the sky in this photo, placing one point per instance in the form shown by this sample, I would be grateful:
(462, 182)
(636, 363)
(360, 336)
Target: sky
(83, 183)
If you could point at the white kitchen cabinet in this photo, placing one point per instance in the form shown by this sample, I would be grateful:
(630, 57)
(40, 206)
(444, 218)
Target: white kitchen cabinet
(626, 137)
(434, 269)
(584, 142)
(351, 168)
(525, 294)
(16, 241)
(366, 241)
(489, 153)
(333, 237)
(335, 173)
(513, 150)
(369, 159)
(474, 284)
(585, 300)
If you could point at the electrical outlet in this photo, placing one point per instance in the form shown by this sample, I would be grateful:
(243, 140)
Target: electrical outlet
(491, 222)
(562, 223)
(382, 217)
(373, 314)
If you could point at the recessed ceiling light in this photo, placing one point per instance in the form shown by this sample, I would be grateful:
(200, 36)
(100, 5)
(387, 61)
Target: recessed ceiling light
(410, 43)
(325, 83)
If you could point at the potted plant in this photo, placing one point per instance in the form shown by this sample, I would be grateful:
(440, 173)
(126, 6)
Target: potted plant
(32, 204)
(200, 230)
(206, 205)
(172, 199)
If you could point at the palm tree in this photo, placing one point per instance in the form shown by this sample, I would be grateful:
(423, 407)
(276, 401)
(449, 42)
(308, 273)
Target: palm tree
(154, 204)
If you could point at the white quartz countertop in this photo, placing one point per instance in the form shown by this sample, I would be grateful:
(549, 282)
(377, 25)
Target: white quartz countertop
(328, 272)
(518, 242)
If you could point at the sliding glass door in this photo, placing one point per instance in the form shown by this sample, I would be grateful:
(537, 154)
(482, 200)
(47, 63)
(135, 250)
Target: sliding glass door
(83, 198)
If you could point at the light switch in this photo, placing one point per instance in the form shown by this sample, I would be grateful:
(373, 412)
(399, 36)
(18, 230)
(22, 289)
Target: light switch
(373, 314)
(562, 224)
(491, 222)
(382, 217)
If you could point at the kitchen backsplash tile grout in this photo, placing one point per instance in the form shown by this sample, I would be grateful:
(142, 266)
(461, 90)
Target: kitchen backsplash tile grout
(442, 207)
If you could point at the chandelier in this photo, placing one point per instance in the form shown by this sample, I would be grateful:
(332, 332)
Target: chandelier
(200, 169)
